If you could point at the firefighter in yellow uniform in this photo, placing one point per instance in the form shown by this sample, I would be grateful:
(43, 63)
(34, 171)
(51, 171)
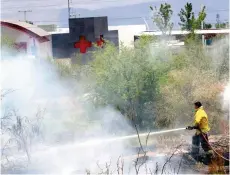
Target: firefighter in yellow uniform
(201, 125)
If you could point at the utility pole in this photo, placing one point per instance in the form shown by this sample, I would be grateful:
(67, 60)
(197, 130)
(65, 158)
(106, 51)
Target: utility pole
(68, 10)
(24, 11)
(218, 20)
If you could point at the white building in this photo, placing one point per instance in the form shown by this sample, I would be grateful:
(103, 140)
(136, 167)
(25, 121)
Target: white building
(184, 32)
(27, 38)
(177, 36)
(126, 33)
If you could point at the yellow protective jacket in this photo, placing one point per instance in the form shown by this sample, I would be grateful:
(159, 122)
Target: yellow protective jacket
(201, 120)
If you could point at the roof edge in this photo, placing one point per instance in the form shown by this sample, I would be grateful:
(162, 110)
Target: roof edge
(25, 30)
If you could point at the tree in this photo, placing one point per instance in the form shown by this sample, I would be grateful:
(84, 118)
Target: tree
(201, 17)
(207, 26)
(221, 25)
(126, 80)
(187, 17)
(188, 20)
(162, 17)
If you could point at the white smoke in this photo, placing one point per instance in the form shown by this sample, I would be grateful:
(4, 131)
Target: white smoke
(72, 131)
(226, 98)
(67, 121)
(73, 134)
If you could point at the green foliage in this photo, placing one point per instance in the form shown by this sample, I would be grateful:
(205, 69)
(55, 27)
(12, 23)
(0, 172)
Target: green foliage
(207, 26)
(190, 23)
(193, 77)
(162, 17)
(221, 25)
(144, 40)
(188, 20)
(187, 17)
(201, 17)
(158, 93)
(125, 78)
(154, 86)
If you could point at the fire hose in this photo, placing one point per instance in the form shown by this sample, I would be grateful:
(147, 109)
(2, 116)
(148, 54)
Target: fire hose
(213, 148)
(190, 128)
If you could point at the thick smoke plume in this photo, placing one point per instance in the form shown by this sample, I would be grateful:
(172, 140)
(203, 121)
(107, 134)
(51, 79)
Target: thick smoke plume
(63, 117)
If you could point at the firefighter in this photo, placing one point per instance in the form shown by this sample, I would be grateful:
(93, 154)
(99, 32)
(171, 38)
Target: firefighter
(202, 128)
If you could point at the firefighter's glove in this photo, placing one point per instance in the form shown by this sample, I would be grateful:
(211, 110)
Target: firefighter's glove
(195, 127)
(189, 128)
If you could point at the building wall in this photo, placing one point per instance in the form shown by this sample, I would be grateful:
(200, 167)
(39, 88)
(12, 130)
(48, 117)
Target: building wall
(112, 36)
(68, 44)
(13, 34)
(61, 46)
(126, 33)
(33, 45)
(45, 48)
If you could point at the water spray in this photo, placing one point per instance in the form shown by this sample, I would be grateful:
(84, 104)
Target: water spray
(148, 134)
(100, 141)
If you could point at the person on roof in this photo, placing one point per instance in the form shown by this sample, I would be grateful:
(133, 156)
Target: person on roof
(201, 125)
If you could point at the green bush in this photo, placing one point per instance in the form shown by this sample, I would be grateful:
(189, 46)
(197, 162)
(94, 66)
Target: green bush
(153, 86)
